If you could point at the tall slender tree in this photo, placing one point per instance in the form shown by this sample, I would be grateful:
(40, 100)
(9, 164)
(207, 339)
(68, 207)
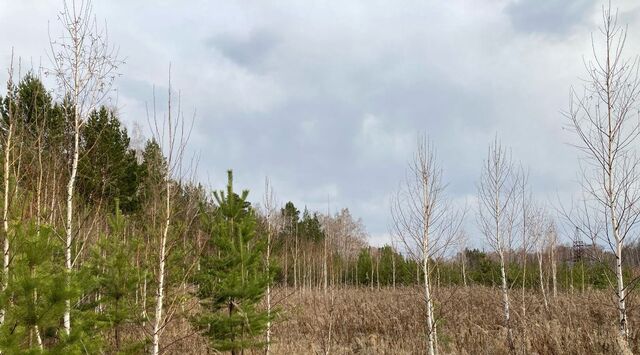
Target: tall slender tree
(84, 65)
(604, 119)
(498, 202)
(425, 223)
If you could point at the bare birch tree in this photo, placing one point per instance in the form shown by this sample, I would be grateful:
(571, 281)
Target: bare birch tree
(7, 145)
(328, 236)
(84, 66)
(425, 222)
(172, 135)
(463, 240)
(526, 243)
(604, 117)
(498, 200)
(552, 240)
(270, 213)
(538, 230)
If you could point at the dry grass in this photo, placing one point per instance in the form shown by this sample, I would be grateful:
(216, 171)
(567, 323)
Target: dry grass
(392, 322)
(362, 321)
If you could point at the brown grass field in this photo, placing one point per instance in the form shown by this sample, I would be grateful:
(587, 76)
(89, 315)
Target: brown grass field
(387, 321)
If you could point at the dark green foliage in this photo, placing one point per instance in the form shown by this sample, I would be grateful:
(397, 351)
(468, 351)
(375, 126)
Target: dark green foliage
(290, 214)
(365, 267)
(35, 298)
(9, 104)
(481, 269)
(232, 280)
(114, 281)
(108, 169)
(34, 112)
(153, 170)
(39, 115)
(310, 227)
(35, 102)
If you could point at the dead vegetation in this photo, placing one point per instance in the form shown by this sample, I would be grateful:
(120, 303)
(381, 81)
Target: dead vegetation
(361, 321)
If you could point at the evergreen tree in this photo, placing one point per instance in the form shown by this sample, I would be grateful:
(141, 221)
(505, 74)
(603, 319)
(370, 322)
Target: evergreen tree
(291, 217)
(115, 281)
(153, 170)
(291, 214)
(232, 280)
(365, 267)
(38, 113)
(35, 101)
(108, 169)
(35, 299)
(310, 227)
(387, 258)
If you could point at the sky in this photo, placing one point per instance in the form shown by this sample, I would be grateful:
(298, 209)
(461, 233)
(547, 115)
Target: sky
(327, 99)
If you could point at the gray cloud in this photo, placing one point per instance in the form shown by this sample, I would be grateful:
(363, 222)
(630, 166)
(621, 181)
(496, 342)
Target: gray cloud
(555, 17)
(327, 100)
(248, 51)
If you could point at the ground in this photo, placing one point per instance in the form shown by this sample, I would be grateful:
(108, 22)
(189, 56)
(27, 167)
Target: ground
(391, 321)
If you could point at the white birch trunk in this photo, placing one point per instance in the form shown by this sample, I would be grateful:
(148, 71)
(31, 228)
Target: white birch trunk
(5, 211)
(268, 335)
(505, 301)
(393, 268)
(621, 293)
(554, 272)
(157, 324)
(324, 266)
(431, 331)
(426, 223)
(68, 229)
(144, 301)
(541, 277)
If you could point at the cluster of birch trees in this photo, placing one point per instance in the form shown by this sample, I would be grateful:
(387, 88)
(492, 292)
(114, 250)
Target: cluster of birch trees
(521, 231)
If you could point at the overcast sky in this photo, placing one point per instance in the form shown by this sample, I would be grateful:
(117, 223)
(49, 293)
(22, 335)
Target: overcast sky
(327, 99)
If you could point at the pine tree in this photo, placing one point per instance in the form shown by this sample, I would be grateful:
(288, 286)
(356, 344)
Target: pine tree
(232, 280)
(115, 281)
(35, 299)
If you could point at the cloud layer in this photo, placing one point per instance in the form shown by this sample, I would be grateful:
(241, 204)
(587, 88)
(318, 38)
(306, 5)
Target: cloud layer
(328, 100)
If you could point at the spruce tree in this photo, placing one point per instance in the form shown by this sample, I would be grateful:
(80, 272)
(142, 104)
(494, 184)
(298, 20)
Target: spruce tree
(108, 169)
(232, 280)
(310, 227)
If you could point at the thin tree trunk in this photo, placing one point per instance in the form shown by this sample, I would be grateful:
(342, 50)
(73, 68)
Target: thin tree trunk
(378, 271)
(542, 288)
(269, 207)
(144, 301)
(621, 293)
(39, 221)
(393, 268)
(5, 211)
(296, 269)
(70, 190)
(155, 344)
(506, 304)
(431, 331)
(554, 272)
